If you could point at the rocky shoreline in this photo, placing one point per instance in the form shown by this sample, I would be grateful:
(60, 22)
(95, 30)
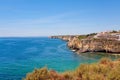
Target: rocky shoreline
(108, 42)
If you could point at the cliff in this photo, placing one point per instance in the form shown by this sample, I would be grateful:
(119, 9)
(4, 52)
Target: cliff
(95, 42)
(94, 45)
(64, 37)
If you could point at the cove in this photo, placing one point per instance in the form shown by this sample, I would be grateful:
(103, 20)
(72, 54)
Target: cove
(19, 56)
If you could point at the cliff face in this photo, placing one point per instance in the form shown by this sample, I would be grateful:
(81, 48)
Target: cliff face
(94, 45)
(95, 42)
(65, 38)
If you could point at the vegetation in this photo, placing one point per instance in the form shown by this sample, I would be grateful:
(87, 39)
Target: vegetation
(82, 37)
(105, 69)
(114, 31)
(86, 36)
(92, 34)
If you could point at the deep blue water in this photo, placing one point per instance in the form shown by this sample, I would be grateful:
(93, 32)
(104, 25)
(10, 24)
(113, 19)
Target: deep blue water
(19, 56)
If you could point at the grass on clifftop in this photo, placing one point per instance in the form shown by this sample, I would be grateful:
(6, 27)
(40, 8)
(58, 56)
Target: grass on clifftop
(86, 36)
(105, 69)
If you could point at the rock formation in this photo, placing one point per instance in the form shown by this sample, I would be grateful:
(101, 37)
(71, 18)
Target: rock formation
(94, 45)
(65, 38)
(100, 42)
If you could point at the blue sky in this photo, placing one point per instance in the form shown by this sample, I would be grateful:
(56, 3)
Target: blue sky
(58, 17)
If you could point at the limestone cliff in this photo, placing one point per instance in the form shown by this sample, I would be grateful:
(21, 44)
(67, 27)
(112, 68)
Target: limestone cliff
(96, 42)
(94, 45)
(65, 38)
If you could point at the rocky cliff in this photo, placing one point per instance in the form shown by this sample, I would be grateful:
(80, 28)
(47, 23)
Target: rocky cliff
(97, 42)
(65, 38)
(94, 45)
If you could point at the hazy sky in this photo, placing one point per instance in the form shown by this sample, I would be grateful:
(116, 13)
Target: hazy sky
(53, 17)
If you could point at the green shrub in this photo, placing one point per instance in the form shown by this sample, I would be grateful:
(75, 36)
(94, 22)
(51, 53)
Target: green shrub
(82, 37)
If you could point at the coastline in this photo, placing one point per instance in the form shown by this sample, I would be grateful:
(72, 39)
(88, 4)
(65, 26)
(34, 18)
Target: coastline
(107, 42)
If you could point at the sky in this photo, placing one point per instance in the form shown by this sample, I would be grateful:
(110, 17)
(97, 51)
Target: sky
(20, 18)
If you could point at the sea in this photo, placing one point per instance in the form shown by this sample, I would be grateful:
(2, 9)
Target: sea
(21, 55)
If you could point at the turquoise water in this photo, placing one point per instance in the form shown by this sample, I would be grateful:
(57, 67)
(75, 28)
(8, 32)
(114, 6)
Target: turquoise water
(19, 56)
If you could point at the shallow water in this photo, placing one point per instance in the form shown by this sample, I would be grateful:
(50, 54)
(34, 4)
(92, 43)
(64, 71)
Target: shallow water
(19, 56)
